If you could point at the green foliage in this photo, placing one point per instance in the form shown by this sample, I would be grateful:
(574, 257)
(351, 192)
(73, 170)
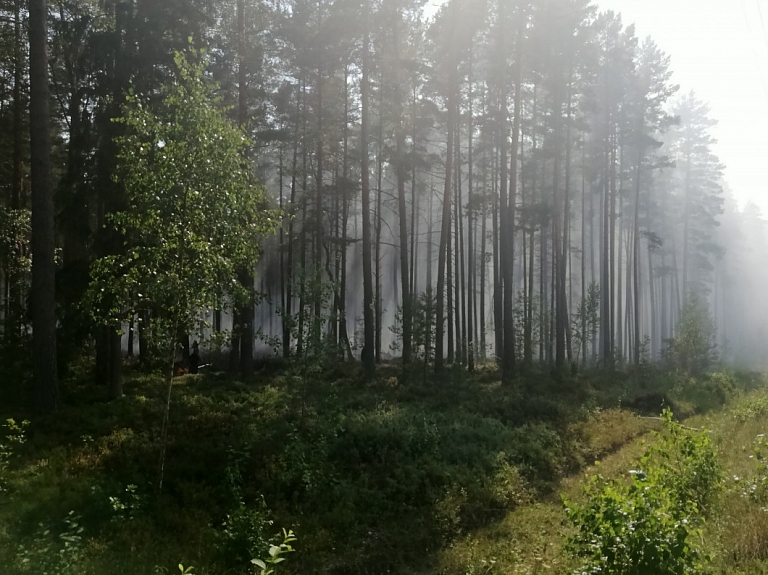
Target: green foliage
(649, 524)
(706, 391)
(128, 505)
(276, 554)
(307, 326)
(756, 486)
(193, 215)
(423, 326)
(54, 553)
(243, 533)
(685, 463)
(753, 409)
(585, 321)
(693, 348)
(16, 262)
(15, 234)
(634, 528)
(387, 475)
(522, 305)
(15, 435)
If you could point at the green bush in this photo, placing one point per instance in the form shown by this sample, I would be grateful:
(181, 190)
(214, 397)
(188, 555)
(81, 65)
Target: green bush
(52, 551)
(756, 486)
(751, 409)
(635, 528)
(243, 533)
(693, 349)
(14, 436)
(684, 463)
(649, 524)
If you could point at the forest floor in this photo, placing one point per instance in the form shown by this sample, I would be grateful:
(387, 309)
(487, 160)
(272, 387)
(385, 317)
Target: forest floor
(458, 476)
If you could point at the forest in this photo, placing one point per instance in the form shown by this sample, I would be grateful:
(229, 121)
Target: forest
(370, 286)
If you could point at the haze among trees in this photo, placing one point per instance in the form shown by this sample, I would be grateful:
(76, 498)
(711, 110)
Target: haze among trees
(383, 189)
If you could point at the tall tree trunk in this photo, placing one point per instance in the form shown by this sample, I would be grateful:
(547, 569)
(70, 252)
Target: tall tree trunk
(509, 364)
(445, 230)
(414, 207)
(12, 286)
(620, 343)
(532, 240)
(498, 288)
(368, 324)
(18, 110)
(605, 299)
(318, 255)
(379, 221)
(558, 242)
(654, 310)
(428, 311)
(612, 247)
(287, 313)
(636, 256)
(402, 171)
(281, 245)
(584, 335)
(44, 370)
(449, 291)
(404, 270)
(593, 270)
(470, 235)
(241, 351)
(566, 247)
(505, 257)
(343, 335)
(686, 232)
(483, 243)
(458, 280)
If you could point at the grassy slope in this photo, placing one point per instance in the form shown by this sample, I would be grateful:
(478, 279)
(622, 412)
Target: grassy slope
(457, 476)
(531, 538)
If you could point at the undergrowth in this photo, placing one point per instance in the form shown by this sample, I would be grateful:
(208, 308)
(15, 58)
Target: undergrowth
(373, 478)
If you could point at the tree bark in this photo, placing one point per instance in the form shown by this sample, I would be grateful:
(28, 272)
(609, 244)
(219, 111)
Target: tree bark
(246, 275)
(368, 324)
(403, 214)
(509, 363)
(445, 231)
(44, 370)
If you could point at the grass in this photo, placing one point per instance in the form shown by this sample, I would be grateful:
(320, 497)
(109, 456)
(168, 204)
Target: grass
(461, 475)
(530, 539)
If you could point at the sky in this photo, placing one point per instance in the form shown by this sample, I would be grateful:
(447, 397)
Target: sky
(719, 49)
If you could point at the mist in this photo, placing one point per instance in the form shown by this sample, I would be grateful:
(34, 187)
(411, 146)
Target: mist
(534, 166)
(695, 241)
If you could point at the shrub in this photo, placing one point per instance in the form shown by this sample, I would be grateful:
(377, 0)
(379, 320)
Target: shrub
(648, 525)
(753, 408)
(635, 528)
(55, 554)
(756, 487)
(244, 531)
(14, 436)
(693, 349)
(685, 463)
